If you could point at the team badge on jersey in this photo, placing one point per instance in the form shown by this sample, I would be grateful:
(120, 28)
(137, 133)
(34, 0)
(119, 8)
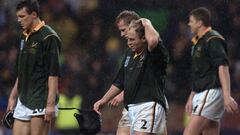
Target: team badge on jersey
(126, 61)
(33, 48)
(34, 44)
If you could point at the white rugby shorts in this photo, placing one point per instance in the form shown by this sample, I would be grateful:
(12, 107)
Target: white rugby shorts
(22, 112)
(147, 117)
(209, 104)
(125, 120)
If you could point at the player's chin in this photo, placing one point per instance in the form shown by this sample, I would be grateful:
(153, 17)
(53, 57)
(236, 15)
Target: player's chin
(133, 50)
(193, 31)
(23, 27)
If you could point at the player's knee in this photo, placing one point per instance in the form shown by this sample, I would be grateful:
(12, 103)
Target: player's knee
(188, 131)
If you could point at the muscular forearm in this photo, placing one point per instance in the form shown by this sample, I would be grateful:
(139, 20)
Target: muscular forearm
(52, 90)
(14, 92)
(151, 35)
(112, 92)
(13, 97)
(225, 80)
(121, 94)
(192, 94)
(224, 77)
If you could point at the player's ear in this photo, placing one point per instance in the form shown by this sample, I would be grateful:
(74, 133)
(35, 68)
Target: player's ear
(34, 14)
(143, 39)
(200, 22)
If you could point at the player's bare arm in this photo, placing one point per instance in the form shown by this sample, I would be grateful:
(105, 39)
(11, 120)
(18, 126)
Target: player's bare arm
(229, 103)
(111, 93)
(116, 101)
(188, 106)
(13, 97)
(52, 93)
(151, 35)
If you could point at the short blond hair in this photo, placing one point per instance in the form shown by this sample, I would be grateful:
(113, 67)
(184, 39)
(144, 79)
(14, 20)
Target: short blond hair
(127, 16)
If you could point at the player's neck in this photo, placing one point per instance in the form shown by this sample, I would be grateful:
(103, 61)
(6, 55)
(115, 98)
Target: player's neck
(36, 22)
(36, 25)
(203, 30)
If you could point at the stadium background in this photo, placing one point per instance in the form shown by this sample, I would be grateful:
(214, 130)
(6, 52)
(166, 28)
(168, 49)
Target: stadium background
(92, 50)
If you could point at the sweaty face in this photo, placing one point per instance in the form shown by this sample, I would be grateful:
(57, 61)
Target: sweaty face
(25, 19)
(123, 28)
(194, 24)
(134, 42)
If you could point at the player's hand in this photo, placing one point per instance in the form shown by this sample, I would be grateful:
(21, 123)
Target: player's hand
(98, 106)
(49, 113)
(145, 21)
(116, 101)
(11, 104)
(231, 105)
(188, 106)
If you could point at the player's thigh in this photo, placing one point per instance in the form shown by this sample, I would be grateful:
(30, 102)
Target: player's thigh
(39, 126)
(165, 132)
(124, 124)
(123, 131)
(143, 133)
(21, 127)
(212, 128)
(196, 125)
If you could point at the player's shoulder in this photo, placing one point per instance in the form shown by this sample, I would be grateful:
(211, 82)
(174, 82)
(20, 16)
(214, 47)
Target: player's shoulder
(47, 32)
(213, 34)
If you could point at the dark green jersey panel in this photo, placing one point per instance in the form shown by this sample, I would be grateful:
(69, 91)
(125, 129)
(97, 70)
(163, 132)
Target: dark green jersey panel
(38, 59)
(143, 78)
(209, 52)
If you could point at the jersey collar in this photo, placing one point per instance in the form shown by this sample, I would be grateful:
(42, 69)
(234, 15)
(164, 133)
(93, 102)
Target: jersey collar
(138, 54)
(38, 26)
(200, 35)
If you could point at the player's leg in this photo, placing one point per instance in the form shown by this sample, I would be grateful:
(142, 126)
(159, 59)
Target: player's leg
(126, 131)
(39, 126)
(212, 128)
(141, 133)
(208, 109)
(196, 125)
(123, 131)
(21, 127)
(124, 124)
(165, 132)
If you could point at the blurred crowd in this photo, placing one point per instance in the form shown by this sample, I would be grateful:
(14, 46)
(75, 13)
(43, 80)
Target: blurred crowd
(92, 48)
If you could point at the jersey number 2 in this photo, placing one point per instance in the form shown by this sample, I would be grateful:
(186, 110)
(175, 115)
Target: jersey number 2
(144, 124)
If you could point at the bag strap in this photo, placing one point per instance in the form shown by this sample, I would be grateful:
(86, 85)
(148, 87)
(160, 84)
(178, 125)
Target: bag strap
(72, 108)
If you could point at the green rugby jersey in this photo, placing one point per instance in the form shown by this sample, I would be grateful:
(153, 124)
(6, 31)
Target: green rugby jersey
(38, 59)
(143, 78)
(208, 53)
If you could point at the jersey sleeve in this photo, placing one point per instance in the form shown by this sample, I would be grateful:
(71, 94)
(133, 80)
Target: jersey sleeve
(16, 64)
(160, 56)
(53, 45)
(217, 50)
(119, 79)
